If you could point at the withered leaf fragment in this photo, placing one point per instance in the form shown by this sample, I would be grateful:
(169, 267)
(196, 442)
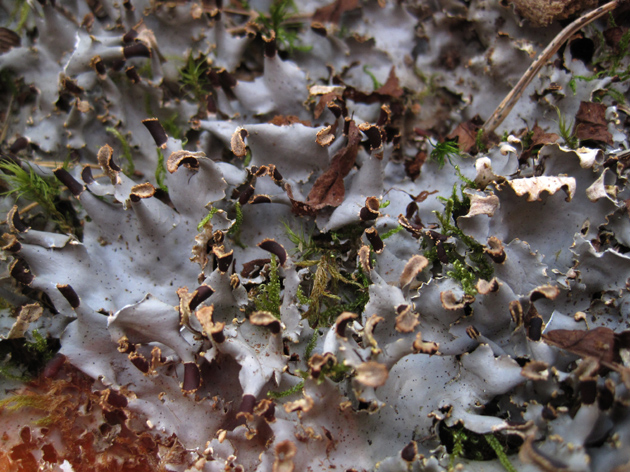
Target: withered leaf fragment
(591, 124)
(601, 343)
(391, 87)
(538, 138)
(332, 13)
(329, 189)
(466, 134)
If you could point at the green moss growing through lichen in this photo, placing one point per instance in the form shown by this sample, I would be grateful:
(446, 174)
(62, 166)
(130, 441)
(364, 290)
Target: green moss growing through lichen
(375, 83)
(207, 218)
(297, 388)
(268, 295)
(194, 79)
(130, 168)
(565, 127)
(235, 229)
(463, 443)
(474, 264)
(443, 151)
(284, 27)
(25, 183)
(160, 171)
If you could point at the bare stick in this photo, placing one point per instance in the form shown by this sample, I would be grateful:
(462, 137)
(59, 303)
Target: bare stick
(505, 107)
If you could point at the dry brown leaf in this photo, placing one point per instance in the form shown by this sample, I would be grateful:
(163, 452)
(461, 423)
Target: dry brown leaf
(332, 13)
(601, 343)
(591, 124)
(329, 189)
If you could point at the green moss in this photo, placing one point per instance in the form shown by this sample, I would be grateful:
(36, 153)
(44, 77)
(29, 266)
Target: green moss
(267, 297)
(311, 345)
(20, 12)
(609, 65)
(392, 232)
(11, 372)
(40, 347)
(375, 83)
(500, 452)
(194, 79)
(30, 186)
(304, 244)
(235, 229)
(481, 147)
(463, 443)
(207, 218)
(464, 276)
(18, 402)
(570, 139)
(334, 371)
(146, 70)
(172, 129)
(285, 393)
(160, 171)
(473, 264)
(527, 139)
(443, 151)
(286, 28)
(130, 168)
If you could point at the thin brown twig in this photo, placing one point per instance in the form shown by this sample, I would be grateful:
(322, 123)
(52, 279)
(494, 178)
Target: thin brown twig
(505, 107)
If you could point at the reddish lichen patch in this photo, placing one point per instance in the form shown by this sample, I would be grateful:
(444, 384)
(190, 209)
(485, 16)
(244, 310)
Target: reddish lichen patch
(69, 294)
(66, 178)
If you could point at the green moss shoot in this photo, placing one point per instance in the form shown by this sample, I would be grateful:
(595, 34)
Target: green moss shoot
(207, 218)
(130, 168)
(443, 151)
(268, 295)
(31, 186)
(160, 171)
(297, 388)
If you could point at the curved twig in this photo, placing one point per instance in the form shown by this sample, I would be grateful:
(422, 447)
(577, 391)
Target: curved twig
(505, 107)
